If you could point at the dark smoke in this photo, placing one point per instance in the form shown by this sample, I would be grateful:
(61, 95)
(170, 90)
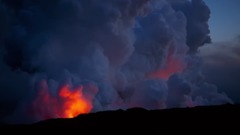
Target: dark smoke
(128, 48)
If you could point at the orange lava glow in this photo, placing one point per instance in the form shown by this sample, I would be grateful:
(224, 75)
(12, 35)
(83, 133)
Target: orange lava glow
(172, 66)
(74, 102)
(68, 103)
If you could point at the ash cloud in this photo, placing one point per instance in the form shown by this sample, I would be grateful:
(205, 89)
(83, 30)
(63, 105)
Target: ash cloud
(117, 45)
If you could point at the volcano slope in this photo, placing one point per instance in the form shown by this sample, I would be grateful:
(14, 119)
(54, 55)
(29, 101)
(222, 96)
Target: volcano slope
(138, 120)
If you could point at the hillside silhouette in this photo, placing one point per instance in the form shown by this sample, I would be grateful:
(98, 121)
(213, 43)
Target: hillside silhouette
(138, 120)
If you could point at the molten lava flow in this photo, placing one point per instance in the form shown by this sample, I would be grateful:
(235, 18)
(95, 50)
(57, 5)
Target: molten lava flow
(68, 103)
(173, 65)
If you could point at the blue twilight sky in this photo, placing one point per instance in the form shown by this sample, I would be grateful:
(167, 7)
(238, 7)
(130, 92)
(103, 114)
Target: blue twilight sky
(225, 19)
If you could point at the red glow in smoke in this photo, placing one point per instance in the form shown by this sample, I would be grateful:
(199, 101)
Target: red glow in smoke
(68, 103)
(173, 66)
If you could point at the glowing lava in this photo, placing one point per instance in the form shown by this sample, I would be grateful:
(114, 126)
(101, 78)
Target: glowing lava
(74, 102)
(68, 103)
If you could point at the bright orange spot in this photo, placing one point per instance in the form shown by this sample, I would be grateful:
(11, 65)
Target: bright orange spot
(68, 102)
(74, 102)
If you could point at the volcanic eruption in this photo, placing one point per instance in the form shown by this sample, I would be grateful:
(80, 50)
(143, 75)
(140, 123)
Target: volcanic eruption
(67, 103)
(81, 56)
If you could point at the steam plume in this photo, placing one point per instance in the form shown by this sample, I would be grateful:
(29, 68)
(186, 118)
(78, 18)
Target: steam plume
(135, 52)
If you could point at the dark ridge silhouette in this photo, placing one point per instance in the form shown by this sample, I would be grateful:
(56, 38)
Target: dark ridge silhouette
(178, 120)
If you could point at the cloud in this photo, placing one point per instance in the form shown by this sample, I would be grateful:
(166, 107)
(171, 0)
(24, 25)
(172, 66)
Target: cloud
(222, 53)
(221, 66)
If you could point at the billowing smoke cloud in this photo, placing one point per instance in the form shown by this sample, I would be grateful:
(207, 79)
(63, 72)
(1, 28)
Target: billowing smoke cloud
(123, 53)
(197, 14)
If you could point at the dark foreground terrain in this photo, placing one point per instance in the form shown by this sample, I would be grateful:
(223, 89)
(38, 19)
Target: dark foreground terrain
(182, 121)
